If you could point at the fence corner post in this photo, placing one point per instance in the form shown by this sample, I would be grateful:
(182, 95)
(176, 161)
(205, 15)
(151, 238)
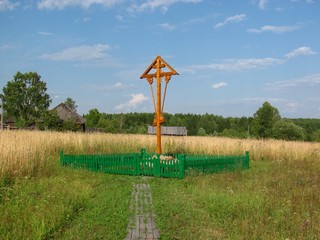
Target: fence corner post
(247, 160)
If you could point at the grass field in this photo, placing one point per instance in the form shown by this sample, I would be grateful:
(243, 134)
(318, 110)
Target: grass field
(277, 198)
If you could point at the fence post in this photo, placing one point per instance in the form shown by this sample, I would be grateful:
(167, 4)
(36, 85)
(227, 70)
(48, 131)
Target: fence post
(137, 162)
(143, 153)
(157, 166)
(182, 159)
(61, 157)
(247, 160)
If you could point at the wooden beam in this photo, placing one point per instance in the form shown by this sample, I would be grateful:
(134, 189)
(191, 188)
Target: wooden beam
(163, 74)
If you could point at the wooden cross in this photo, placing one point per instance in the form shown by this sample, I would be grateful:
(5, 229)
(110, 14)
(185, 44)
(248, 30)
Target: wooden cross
(162, 69)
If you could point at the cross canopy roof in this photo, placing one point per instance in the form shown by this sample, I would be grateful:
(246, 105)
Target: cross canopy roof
(154, 65)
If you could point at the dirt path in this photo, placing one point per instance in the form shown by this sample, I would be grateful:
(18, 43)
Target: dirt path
(142, 224)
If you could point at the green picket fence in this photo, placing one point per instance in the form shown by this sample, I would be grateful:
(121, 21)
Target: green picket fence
(214, 164)
(129, 164)
(150, 164)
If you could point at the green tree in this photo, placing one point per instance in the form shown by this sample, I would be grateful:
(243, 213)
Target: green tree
(206, 121)
(70, 125)
(71, 103)
(232, 133)
(25, 98)
(264, 120)
(315, 136)
(201, 132)
(92, 118)
(51, 121)
(287, 130)
(177, 119)
(192, 123)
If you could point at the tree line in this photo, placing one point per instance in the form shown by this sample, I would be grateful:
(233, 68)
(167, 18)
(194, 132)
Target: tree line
(266, 123)
(26, 101)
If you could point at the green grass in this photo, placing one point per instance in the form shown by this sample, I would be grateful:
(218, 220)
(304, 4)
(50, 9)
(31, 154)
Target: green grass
(67, 205)
(272, 200)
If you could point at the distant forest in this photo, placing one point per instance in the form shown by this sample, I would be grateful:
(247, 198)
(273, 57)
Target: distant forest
(205, 125)
(26, 102)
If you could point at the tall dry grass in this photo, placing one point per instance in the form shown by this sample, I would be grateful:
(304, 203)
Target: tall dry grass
(25, 153)
(259, 149)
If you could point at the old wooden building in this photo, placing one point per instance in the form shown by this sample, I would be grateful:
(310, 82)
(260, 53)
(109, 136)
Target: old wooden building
(167, 130)
(65, 113)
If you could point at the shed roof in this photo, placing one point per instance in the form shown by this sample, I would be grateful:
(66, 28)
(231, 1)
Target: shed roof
(65, 113)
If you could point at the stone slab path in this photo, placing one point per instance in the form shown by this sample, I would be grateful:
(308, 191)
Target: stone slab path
(142, 224)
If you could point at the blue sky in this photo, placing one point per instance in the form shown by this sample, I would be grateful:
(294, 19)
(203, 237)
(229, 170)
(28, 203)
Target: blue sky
(231, 56)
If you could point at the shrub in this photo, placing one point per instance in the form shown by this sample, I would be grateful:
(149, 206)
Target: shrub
(201, 132)
(316, 136)
(287, 130)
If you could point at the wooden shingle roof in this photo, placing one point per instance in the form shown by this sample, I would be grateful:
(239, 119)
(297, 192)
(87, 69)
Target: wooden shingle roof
(66, 113)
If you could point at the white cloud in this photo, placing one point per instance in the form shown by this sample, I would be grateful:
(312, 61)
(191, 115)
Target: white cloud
(107, 88)
(5, 47)
(45, 33)
(261, 99)
(262, 4)
(196, 20)
(291, 107)
(115, 87)
(158, 4)
(134, 102)
(232, 19)
(7, 5)
(119, 18)
(60, 4)
(274, 29)
(80, 53)
(168, 26)
(307, 1)
(309, 82)
(219, 85)
(238, 64)
(301, 51)
(82, 20)
(118, 85)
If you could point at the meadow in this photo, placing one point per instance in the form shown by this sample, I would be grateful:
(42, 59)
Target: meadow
(277, 198)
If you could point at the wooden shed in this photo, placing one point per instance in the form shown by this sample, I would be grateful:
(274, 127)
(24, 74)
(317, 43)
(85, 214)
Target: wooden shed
(9, 123)
(66, 113)
(167, 130)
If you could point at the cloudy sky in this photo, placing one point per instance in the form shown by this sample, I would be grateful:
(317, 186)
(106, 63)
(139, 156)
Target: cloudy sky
(231, 56)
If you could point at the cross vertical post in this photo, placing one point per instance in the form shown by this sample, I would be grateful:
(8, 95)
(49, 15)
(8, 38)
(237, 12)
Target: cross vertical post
(158, 106)
(157, 65)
